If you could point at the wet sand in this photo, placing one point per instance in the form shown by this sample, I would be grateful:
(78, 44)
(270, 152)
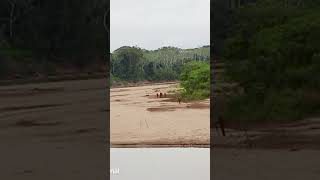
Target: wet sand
(297, 135)
(140, 119)
(264, 164)
(268, 151)
(54, 130)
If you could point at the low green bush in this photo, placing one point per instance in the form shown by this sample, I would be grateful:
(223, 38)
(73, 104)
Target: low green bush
(195, 79)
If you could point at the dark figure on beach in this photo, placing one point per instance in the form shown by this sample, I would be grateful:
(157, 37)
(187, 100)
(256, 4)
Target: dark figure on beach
(220, 124)
(218, 121)
(179, 100)
(18, 76)
(160, 95)
(157, 95)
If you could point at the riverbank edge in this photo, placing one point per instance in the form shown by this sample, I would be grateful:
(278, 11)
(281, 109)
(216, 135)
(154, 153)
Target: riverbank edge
(51, 79)
(160, 146)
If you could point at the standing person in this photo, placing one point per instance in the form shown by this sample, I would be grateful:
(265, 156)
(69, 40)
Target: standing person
(157, 95)
(179, 99)
(217, 119)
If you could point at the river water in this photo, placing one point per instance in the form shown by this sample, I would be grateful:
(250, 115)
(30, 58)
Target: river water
(160, 164)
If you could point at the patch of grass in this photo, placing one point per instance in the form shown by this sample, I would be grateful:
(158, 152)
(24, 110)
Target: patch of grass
(196, 95)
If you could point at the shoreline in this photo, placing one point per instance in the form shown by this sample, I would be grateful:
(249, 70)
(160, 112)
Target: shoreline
(136, 146)
(294, 136)
(142, 83)
(26, 81)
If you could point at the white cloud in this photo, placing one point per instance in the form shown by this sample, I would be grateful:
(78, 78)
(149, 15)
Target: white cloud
(152, 24)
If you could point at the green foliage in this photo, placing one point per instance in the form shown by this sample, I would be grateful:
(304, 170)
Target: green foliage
(274, 55)
(135, 64)
(113, 79)
(284, 105)
(195, 79)
(128, 62)
(221, 23)
(164, 74)
(54, 31)
(4, 66)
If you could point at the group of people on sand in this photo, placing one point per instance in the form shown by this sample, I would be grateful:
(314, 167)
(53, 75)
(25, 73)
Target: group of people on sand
(164, 95)
(161, 95)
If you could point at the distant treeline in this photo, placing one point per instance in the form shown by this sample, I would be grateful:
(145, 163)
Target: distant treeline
(223, 20)
(272, 51)
(39, 36)
(164, 64)
(225, 13)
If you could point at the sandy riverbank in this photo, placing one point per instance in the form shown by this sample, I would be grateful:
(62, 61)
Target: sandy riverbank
(140, 119)
(264, 164)
(268, 151)
(54, 130)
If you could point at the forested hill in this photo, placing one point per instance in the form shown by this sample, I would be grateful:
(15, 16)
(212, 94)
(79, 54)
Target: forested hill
(271, 50)
(135, 64)
(51, 37)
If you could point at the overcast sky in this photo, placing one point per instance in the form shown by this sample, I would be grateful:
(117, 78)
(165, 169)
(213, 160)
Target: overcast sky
(152, 24)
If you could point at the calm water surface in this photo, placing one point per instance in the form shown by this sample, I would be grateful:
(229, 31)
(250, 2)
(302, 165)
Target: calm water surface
(160, 164)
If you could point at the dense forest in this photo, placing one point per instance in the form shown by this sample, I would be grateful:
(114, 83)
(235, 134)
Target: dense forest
(51, 37)
(271, 49)
(190, 66)
(164, 64)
